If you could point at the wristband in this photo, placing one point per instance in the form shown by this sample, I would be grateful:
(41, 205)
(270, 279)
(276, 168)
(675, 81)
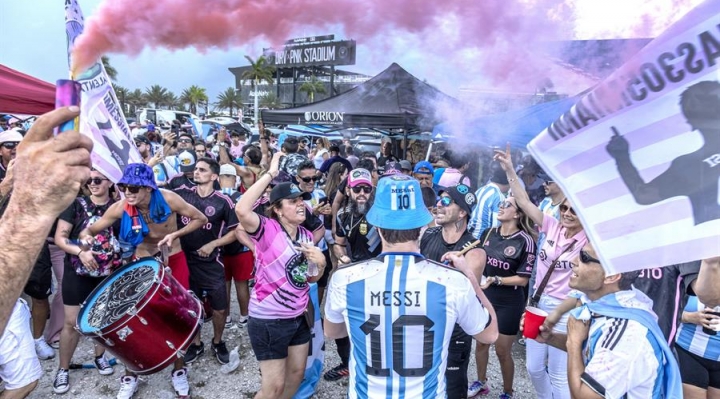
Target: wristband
(78, 254)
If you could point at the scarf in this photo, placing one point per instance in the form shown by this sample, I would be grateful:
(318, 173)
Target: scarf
(609, 306)
(133, 227)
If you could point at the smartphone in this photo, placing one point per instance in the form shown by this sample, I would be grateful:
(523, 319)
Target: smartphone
(67, 93)
(323, 201)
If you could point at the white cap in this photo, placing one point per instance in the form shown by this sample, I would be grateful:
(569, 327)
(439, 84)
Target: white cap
(227, 170)
(10, 136)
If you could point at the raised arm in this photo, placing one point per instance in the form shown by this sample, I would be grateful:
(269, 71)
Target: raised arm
(244, 208)
(518, 191)
(707, 284)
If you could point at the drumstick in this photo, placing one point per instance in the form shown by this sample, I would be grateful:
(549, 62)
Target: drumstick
(77, 366)
(466, 249)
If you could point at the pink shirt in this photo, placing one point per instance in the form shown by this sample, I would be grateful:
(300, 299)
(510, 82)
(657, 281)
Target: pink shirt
(451, 177)
(281, 288)
(554, 245)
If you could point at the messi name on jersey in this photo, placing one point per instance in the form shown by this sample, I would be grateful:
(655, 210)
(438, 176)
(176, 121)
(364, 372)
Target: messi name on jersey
(395, 298)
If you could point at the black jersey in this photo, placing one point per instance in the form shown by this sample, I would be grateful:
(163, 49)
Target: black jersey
(433, 245)
(79, 213)
(363, 237)
(508, 256)
(668, 288)
(220, 211)
(182, 181)
(234, 247)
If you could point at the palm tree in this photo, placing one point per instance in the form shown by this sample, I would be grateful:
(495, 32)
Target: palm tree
(136, 98)
(156, 95)
(122, 94)
(271, 101)
(194, 95)
(229, 99)
(260, 71)
(109, 69)
(172, 101)
(312, 86)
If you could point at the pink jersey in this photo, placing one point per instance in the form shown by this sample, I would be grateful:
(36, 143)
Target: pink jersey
(554, 245)
(281, 288)
(452, 177)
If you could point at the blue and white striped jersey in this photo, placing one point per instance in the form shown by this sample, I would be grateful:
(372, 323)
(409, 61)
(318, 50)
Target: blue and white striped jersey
(400, 310)
(486, 210)
(692, 338)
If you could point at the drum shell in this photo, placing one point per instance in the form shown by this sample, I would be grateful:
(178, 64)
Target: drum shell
(158, 331)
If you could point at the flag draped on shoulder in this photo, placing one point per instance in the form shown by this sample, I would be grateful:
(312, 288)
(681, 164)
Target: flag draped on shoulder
(101, 117)
(639, 155)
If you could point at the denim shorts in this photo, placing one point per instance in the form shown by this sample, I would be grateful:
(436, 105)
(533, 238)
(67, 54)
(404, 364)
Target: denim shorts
(270, 338)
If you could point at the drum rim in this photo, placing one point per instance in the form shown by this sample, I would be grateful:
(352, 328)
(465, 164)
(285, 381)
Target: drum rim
(138, 307)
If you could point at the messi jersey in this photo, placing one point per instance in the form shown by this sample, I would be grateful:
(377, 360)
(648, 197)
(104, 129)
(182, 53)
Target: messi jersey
(399, 311)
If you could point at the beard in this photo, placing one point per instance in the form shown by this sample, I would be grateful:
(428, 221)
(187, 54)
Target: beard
(360, 209)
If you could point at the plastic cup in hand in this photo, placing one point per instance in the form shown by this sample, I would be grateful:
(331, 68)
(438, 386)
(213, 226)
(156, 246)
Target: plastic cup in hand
(534, 318)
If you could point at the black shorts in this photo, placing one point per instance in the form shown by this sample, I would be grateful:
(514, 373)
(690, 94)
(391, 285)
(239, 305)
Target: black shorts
(76, 289)
(459, 352)
(509, 305)
(698, 371)
(39, 285)
(326, 273)
(270, 338)
(216, 296)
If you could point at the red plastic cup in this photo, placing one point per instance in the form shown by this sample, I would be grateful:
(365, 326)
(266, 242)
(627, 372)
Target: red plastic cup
(534, 318)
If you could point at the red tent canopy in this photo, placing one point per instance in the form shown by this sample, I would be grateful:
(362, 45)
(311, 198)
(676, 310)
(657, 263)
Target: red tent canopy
(23, 94)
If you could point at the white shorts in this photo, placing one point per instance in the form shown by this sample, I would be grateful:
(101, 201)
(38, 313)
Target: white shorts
(19, 364)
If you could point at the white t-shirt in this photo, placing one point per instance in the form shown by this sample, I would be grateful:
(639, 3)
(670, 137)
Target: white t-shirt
(318, 160)
(400, 314)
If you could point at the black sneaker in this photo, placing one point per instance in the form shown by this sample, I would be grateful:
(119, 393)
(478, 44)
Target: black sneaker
(337, 373)
(61, 384)
(193, 352)
(221, 353)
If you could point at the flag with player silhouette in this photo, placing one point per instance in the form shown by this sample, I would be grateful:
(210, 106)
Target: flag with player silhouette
(101, 117)
(639, 155)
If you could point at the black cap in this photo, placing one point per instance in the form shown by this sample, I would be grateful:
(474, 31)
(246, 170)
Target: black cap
(544, 176)
(142, 138)
(188, 135)
(461, 195)
(287, 191)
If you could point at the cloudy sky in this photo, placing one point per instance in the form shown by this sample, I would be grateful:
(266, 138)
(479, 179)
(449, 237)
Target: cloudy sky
(32, 40)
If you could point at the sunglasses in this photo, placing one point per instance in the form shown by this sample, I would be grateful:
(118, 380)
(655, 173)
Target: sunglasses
(548, 182)
(364, 189)
(445, 201)
(309, 179)
(505, 205)
(128, 188)
(10, 145)
(95, 180)
(564, 208)
(184, 141)
(586, 258)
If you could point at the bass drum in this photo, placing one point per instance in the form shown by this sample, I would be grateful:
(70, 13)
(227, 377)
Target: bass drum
(142, 315)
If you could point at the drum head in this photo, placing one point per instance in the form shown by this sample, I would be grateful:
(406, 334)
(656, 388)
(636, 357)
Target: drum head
(120, 291)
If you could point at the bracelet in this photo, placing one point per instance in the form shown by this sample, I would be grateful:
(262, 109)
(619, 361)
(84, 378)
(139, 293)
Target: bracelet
(81, 251)
(498, 280)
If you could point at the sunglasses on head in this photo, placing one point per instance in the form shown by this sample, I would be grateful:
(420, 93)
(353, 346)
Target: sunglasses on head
(564, 208)
(586, 258)
(129, 188)
(364, 189)
(445, 201)
(309, 179)
(10, 145)
(95, 180)
(505, 205)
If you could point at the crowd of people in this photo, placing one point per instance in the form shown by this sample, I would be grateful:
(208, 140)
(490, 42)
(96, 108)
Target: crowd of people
(413, 260)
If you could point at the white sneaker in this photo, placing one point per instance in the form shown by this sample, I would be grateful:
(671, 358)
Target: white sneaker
(128, 387)
(242, 322)
(180, 382)
(44, 351)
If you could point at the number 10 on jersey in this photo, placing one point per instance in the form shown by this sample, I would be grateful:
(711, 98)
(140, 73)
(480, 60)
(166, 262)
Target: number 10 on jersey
(397, 347)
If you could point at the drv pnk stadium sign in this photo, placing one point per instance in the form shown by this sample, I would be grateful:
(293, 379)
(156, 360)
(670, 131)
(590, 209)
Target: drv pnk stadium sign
(313, 54)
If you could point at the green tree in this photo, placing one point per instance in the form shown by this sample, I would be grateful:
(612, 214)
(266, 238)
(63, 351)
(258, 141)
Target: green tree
(271, 101)
(122, 96)
(157, 95)
(260, 71)
(109, 69)
(194, 96)
(136, 99)
(229, 99)
(172, 101)
(312, 86)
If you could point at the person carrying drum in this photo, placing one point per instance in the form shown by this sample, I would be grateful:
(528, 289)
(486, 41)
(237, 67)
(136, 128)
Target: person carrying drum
(202, 248)
(148, 222)
(84, 269)
(286, 262)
